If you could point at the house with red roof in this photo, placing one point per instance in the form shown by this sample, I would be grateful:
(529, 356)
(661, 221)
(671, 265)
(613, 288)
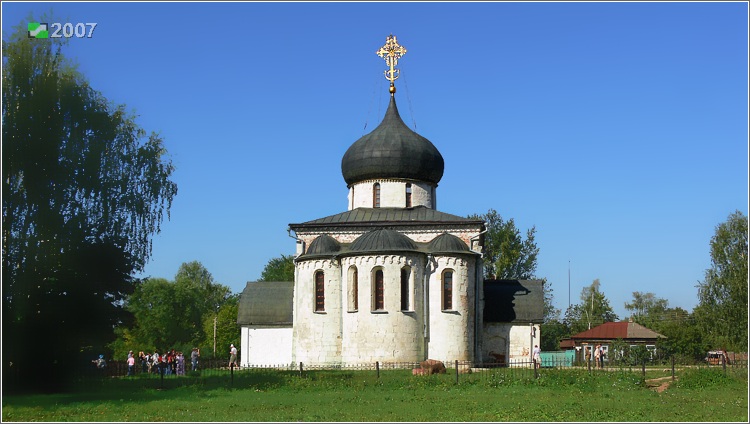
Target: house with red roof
(630, 332)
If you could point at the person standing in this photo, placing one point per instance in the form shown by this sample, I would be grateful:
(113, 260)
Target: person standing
(537, 355)
(100, 362)
(194, 358)
(166, 362)
(173, 363)
(131, 365)
(180, 359)
(597, 353)
(144, 360)
(232, 355)
(155, 362)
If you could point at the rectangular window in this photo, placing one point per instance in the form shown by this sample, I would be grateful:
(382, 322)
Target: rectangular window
(376, 195)
(447, 290)
(320, 295)
(405, 289)
(408, 195)
(379, 295)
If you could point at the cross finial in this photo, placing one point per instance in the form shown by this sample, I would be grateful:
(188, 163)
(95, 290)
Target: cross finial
(391, 52)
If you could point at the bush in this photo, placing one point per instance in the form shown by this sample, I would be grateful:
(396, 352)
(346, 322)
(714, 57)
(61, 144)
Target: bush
(701, 378)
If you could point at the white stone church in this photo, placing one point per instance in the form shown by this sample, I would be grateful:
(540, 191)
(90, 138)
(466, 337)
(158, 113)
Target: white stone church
(391, 279)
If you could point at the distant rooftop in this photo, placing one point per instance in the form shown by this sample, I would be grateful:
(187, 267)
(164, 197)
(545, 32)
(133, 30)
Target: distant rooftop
(618, 330)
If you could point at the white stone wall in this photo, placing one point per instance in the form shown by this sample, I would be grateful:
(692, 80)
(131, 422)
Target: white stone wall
(392, 194)
(452, 331)
(515, 341)
(391, 334)
(365, 336)
(317, 335)
(265, 346)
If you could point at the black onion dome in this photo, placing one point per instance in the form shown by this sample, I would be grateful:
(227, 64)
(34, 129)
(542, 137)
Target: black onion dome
(447, 243)
(382, 241)
(392, 150)
(323, 245)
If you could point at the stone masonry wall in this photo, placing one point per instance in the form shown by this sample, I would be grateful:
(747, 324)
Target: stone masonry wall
(317, 335)
(392, 194)
(452, 331)
(390, 334)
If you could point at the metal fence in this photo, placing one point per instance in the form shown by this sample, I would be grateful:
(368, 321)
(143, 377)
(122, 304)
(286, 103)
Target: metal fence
(218, 371)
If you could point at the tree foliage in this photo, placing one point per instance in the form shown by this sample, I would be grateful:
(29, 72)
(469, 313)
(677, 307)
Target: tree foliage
(593, 310)
(84, 190)
(550, 312)
(684, 337)
(227, 329)
(722, 307)
(279, 269)
(507, 255)
(647, 309)
(551, 329)
(170, 314)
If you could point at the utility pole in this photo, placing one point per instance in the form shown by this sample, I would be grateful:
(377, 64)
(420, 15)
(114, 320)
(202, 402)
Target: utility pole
(592, 307)
(216, 317)
(568, 284)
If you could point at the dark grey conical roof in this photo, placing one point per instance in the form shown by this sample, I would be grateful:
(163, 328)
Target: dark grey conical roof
(392, 150)
(383, 240)
(448, 243)
(323, 245)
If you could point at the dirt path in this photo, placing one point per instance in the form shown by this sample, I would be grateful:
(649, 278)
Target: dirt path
(659, 384)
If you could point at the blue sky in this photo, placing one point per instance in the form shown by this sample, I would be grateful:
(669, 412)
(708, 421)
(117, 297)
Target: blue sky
(618, 130)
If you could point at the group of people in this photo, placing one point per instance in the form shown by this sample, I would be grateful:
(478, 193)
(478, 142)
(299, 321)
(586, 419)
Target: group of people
(171, 362)
(598, 355)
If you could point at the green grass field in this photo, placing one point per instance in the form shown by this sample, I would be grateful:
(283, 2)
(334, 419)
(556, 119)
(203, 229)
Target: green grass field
(557, 395)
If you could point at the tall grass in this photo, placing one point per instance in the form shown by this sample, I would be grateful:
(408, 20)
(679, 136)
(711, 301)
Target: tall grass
(268, 395)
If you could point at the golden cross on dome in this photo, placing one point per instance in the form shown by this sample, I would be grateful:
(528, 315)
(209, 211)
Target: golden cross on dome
(391, 52)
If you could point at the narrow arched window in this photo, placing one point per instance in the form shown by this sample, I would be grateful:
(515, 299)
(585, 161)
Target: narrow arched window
(408, 195)
(376, 195)
(353, 289)
(378, 295)
(405, 289)
(447, 290)
(320, 294)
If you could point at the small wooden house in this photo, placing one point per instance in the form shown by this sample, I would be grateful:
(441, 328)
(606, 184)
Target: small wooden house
(631, 333)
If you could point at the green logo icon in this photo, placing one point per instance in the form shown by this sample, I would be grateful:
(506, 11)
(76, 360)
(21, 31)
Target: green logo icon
(37, 30)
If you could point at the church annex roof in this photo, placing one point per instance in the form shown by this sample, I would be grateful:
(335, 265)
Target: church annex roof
(387, 240)
(266, 304)
(448, 243)
(392, 150)
(323, 245)
(514, 301)
(383, 241)
(391, 216)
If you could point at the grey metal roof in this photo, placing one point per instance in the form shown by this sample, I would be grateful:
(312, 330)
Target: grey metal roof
(382, 241)
(618, 330)
(448, 243)
(392, 150)
(390, 216)
(513, 301)
(323, 245)
(266, 303)
(387, 240)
